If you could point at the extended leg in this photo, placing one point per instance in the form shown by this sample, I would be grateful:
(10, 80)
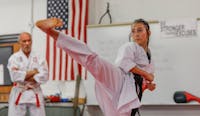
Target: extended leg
(104, 72)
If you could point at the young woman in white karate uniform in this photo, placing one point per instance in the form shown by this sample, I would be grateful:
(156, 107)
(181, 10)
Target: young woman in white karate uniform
(115, 86)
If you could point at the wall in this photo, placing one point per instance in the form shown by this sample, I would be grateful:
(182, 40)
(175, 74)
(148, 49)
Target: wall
(128, 10)
(16, 17)
(18, 12)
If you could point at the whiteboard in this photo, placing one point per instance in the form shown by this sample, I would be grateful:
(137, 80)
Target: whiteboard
(177, 60)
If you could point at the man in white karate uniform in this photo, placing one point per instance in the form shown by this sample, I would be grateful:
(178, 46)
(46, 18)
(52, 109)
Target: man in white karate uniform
(27, 71)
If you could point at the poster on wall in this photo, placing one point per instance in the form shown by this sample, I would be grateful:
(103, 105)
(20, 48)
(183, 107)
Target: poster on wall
(178, 28)
(1, 74)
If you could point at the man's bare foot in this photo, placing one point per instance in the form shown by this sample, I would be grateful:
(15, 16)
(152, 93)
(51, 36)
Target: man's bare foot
(48, 24)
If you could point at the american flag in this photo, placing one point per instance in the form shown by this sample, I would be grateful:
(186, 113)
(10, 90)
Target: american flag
(74, 14)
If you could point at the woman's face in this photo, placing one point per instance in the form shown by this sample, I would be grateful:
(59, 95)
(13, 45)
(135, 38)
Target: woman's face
(140, 34)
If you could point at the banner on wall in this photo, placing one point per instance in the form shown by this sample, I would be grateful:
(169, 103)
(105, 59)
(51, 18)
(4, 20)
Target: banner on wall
(1, 74)
(178, 28)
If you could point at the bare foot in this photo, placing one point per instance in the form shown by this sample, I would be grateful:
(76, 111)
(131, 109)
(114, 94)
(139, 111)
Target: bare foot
(48, 24)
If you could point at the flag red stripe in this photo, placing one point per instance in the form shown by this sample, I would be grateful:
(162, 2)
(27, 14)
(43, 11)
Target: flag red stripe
(66, 62)
(79, 30)
(79, 69)
(73, 34)
(86, 21)
(85, 28)
(72, 70)
(60, 70)
(66, 67)
(47, 50)
(73, 18)
(80, 19)
(54, 60)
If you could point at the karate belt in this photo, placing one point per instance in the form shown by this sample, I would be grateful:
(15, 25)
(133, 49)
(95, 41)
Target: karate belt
(20, 94)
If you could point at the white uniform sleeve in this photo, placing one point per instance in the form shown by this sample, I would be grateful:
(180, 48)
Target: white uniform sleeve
(130, 55)
(16, 74)
(125, 58)
(42, 76)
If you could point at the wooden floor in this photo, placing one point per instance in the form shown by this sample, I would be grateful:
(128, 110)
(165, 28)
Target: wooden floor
(93, 110)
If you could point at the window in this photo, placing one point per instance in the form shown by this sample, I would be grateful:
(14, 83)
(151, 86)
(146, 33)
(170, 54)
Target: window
(8, 45)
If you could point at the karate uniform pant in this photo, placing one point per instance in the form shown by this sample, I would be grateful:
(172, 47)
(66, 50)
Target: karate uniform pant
(21, 109)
